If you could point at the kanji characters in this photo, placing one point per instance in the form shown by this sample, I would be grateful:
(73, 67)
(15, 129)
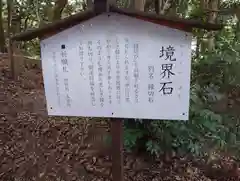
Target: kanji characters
(165, 88)
(167, 70)
(168, 53)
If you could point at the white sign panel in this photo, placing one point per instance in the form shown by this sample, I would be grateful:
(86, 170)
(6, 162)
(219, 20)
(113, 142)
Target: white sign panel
(117, 66)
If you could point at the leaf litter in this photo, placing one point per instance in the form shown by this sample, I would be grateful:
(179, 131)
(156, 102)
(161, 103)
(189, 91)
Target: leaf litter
(34, 146)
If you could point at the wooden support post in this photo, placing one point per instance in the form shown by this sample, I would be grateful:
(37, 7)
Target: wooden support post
(103, 5)
(11, 58)
(100, 6)
(117, 149)
(116, 123)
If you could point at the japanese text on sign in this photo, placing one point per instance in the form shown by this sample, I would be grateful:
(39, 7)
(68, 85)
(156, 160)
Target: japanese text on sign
(128, 73)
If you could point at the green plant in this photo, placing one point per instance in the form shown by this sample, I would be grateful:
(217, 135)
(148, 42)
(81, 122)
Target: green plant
(215, 77)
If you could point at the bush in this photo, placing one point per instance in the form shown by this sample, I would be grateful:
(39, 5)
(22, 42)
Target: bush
(207, 130)
(204, 133)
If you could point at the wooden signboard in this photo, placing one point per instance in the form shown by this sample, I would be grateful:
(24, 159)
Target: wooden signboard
(118, 66)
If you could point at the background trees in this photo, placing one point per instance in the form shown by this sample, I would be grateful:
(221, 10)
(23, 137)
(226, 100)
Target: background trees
(2, 37)
(215, 93)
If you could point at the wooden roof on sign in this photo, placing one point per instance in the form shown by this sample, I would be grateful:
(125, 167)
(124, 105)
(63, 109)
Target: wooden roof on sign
(60, 25)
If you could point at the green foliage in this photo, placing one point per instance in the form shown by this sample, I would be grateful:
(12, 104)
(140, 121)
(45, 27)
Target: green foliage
(215, 75)
(204, 131)
(131, 137)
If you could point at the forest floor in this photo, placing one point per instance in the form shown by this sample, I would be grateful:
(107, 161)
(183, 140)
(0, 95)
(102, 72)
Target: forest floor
(34, 146)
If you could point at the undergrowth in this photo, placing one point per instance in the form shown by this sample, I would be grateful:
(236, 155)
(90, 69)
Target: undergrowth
(213, 124)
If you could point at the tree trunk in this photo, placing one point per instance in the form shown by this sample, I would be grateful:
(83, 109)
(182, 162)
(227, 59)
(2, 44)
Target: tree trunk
(10, 43)
(172, 10)
(203, 4)
(237, 33)
(147, 5)
(9, 12)
(2, 37)
(164, 6)
(57, 11)
(15, 18)
(139, 5)
(132, 4)
(158, 6)
(198, 45)
(89, 4)
(202, 41)
(214, 5)
(114, 2)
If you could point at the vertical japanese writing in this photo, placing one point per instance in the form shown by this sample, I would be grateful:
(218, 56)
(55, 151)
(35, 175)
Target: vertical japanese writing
(64, 61)
(109, 71)
(127, 78)
(151, 87)
(91, 73)
(100, 72)
(118, 81)
(56, 79)
(81, 52)
(167, 70)
(66, 85)
(168, 53)
(136, 72)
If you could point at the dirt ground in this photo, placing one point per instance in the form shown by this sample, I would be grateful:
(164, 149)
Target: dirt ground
(34, 146)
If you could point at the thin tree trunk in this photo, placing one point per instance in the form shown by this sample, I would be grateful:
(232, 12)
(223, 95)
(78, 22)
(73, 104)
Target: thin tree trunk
(10, 43)
(89, 4)
(172, 11)
(9, 11)
(112, 2)
(139, 5)
(203, 4)
(213, 4)
(132, 4)
(237, 33)
(198, 45)
(165, 6)
(2, 36)
(147, 5)
(158, 6)
(202, 42)
(57, 11)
